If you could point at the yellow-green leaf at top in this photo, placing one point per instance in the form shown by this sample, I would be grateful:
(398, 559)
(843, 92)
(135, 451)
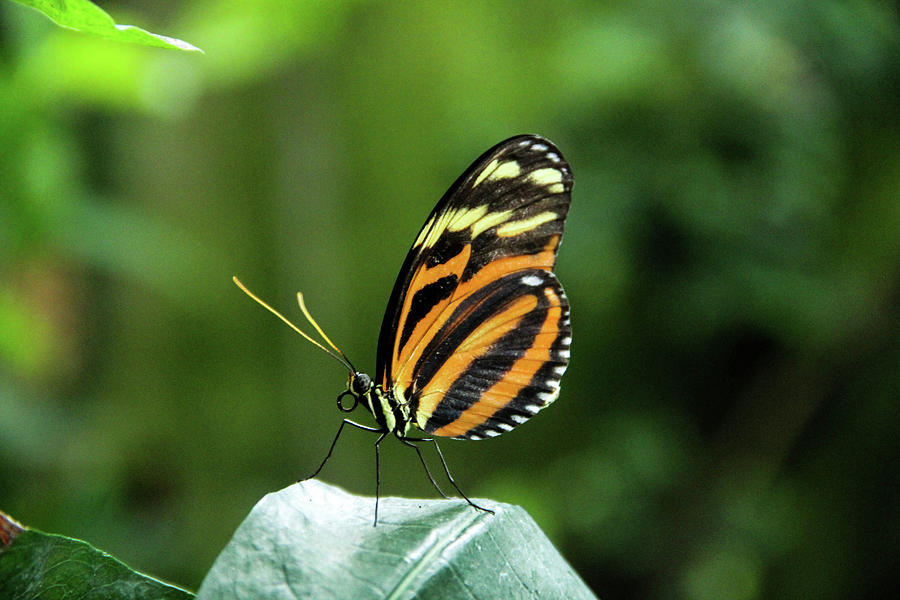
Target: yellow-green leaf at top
(87, 17)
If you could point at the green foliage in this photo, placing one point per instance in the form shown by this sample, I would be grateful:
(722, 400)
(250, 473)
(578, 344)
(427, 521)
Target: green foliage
(53, 567)
(313, 540)
(316, 541)
(87, 17)
(732, 259)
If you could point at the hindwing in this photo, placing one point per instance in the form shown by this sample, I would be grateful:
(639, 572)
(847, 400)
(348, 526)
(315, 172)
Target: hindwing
(476, 334)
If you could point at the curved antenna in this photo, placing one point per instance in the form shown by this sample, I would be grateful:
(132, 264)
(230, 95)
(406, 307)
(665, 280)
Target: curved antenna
(319, 329)
(338, 357)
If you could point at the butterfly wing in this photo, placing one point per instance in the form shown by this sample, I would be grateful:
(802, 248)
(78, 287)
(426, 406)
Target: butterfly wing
(476, 334)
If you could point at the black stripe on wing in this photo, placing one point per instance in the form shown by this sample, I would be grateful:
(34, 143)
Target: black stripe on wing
(510, 203)
(497, 360)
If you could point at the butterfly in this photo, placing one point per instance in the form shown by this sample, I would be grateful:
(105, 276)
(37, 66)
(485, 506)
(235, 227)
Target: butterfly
(476, 334)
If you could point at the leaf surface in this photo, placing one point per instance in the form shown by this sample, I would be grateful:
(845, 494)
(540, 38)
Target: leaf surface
(34, 564)
(87, 17)
(312, 540)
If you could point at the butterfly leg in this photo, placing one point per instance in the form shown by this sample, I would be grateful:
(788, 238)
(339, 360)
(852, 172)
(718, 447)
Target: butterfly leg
(450, 477)
(377, 471)
(409, 442)
(334, 442)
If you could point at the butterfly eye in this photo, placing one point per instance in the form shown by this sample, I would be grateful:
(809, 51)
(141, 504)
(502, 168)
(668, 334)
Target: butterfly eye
(340, 401)
(360, 384)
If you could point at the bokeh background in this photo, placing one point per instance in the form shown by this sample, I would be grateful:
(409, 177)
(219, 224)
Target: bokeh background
(728, 427)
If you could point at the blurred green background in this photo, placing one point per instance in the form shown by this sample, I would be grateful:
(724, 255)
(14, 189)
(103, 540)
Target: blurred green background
(728, 427)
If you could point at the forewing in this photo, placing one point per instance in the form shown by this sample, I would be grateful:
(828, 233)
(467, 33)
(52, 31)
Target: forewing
(503, 216)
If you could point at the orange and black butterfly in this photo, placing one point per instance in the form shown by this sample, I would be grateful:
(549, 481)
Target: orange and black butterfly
(476, 334)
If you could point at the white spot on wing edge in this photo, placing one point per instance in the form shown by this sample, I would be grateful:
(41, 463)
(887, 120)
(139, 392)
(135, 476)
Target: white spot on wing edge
(532, 280)
(548, 397)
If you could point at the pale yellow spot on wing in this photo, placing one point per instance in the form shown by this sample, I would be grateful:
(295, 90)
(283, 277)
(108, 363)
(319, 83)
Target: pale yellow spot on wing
(463, 218)
(444, 220)
(488, 221)
(435, 232)
(546, 177)
(486, 172)
(498, 170)
(424, 232)
(516, 227)
(478, 220)
(506, 170)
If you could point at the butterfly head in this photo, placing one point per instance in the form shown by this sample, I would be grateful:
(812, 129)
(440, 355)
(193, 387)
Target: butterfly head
(359, 385)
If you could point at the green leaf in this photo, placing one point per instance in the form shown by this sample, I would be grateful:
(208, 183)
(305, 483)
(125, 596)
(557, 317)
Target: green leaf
(52, 567)
(85, 16)
(312, 540)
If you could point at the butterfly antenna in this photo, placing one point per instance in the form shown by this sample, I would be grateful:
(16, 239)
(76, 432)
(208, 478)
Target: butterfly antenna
(338, 357)
(312, 322)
